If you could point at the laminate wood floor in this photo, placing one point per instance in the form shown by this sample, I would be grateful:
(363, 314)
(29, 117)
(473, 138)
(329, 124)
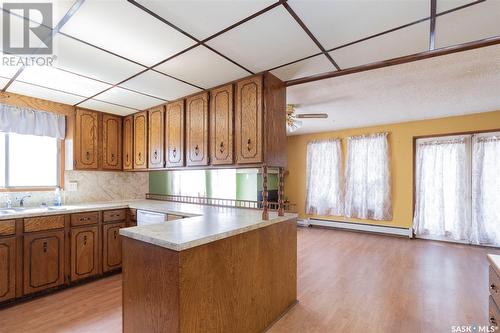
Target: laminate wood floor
(348, 282)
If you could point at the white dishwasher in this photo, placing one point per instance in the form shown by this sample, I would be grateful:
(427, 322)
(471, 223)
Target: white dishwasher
(145, 217)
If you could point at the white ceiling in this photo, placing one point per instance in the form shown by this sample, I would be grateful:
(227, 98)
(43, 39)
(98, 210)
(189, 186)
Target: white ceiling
(455, 84)
(188, 46)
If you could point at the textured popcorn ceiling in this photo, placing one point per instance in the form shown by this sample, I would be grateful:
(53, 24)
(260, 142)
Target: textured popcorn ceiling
(455, 84)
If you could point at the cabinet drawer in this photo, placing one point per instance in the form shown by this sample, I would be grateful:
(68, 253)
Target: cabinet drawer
(494, 285)
(84, 219)
(7, 227)
(494, 313)
(33, 224)
(114, 215)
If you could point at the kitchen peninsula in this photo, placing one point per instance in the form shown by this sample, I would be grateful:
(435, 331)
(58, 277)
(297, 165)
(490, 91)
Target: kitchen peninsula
(225, 270)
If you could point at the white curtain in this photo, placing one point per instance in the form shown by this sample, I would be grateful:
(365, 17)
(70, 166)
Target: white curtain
(442, 189)
(324, 178)
(18, 120)
(486, 190)
(368, 178)
(190, 183)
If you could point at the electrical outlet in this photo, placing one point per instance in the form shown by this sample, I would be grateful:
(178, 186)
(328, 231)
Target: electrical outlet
(72, 186)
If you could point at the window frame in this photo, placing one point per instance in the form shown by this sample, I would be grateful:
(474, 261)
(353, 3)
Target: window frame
(60, 170)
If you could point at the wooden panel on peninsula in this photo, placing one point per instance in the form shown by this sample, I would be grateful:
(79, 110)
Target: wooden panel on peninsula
(242, 283)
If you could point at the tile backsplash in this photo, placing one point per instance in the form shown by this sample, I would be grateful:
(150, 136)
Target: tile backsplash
(93, 186)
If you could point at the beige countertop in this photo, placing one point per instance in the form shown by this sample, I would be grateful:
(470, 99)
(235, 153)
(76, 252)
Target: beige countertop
(204, 224)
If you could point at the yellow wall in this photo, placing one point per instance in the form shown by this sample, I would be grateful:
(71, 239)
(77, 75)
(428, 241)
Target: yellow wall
(401, 141)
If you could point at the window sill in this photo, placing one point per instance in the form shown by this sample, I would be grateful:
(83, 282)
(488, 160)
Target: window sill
(29, 189)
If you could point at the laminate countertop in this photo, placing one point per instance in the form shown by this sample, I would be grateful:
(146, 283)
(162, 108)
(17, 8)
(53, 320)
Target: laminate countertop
(203, 224)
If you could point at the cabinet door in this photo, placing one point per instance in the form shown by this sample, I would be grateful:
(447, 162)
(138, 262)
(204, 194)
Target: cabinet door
(112, 246)
(197, 129)
(128, 142)
(221, 125)
(174, 136)
(111, 142)
(84, 252)
(43, 260)
(140, 140)
(86, 140)
(156, 130)
(7, 268)
(248, 120)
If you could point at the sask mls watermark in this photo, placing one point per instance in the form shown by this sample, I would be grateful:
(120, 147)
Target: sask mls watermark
(26, 34)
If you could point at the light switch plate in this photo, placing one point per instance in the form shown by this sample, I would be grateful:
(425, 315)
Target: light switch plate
(72, 186)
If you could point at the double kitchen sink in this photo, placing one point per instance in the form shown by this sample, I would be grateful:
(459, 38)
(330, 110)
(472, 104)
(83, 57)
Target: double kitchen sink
(30, 210)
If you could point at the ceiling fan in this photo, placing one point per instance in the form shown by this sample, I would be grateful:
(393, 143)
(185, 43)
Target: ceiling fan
(292, 119)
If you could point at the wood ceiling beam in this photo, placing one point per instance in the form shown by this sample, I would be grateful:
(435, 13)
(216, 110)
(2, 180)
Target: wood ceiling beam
(397, 61)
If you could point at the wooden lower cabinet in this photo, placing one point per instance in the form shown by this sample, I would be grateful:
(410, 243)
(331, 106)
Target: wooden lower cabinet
(43, 260)
(112, 246)
(7, 268)
(84, 252)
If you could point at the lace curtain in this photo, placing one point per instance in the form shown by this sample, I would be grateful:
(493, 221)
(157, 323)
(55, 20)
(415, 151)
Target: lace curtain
(368, 185)
(324, 178)
(486, 190)
(442, 190)
(18, 120)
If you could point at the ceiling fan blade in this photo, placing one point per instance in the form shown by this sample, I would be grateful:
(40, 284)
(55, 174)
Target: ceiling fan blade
(312, 115)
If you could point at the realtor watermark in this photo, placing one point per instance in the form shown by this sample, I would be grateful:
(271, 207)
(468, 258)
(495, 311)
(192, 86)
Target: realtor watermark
(474, 329)
(26, 34)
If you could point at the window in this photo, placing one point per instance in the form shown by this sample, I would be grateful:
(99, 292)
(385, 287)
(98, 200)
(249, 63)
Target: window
(29, 161)
(368, 190)
(191, 183)
(223, 183)
(324, 178)
(458, 189)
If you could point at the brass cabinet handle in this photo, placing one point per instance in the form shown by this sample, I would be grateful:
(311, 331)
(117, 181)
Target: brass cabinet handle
(493, 287)
(126, 157)
(84, 240)
(493, 321)
(112, 157)
(221, 147)
(115, 234)
(196, 150)
(87, 154)
(174, 152)
(155, 154)
(44, 247)
(249, 144)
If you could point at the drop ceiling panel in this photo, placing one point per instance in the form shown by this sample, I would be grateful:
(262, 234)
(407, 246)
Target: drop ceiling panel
(444, 5)
(133, 33)
(54, 78)
(204, 18)
(86, 60)
(469, 24)
(267, 41)
(338, 22)
(128, 98)
(59, 9)
(107, 107)
(44, 93)
(9, 66)
(315, 65)
(410, 40)
(159, 85)
(202, 67)
(15, 31)
(3, 82)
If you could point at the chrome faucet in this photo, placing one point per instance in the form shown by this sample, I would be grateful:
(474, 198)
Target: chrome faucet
(8, 202)
(21, 201)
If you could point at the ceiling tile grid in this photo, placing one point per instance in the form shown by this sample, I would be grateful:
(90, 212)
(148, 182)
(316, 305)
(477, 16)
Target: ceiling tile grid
(124, 29)
(204, 18)
(32, 90)
(159, 85)
(202, 67)
(311, 66)
(403, 42)
(97, 105)
(128, 98)
(271, 39)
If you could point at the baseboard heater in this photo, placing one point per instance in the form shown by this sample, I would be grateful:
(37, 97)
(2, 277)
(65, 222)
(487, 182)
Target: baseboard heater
(407, 232)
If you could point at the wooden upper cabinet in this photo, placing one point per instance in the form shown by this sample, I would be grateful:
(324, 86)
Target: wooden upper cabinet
(155, 137)
(248, 120)
(140, 140)
(197, 130)
(221, 125)
(174, 134)
(86, 143)
(111, 142)
(128, 143)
